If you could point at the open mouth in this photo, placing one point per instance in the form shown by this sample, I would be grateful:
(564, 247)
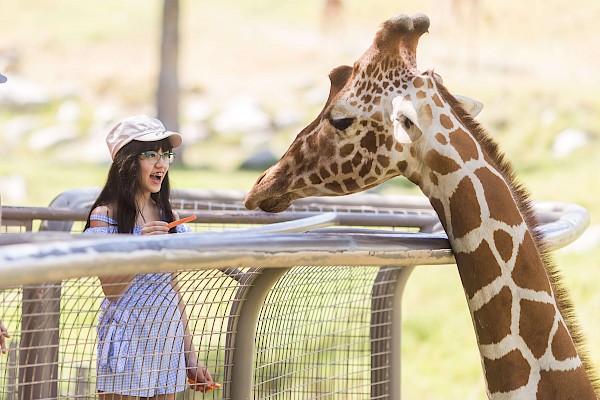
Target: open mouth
(156, 178)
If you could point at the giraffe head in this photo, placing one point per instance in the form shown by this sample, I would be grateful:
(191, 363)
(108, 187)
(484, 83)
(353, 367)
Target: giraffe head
(350, 146)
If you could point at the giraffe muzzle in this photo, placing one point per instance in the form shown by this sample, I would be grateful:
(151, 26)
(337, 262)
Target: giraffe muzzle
(273, 204)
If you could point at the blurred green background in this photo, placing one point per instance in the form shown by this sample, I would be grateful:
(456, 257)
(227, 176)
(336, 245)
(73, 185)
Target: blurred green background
(254, 72)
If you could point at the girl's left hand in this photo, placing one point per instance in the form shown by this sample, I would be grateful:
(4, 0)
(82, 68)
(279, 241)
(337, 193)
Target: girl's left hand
(155, 228)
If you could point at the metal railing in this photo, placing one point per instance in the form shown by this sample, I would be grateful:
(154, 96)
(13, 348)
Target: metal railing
(301, 304)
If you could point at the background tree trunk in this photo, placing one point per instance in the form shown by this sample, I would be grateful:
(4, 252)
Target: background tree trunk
(167, 100)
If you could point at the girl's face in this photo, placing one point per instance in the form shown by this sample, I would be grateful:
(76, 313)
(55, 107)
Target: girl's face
(153, 168)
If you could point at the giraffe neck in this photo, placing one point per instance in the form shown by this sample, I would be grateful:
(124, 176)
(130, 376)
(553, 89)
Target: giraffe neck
(526, 348)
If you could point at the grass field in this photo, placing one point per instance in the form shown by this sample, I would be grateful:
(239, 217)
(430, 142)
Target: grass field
(533, 64)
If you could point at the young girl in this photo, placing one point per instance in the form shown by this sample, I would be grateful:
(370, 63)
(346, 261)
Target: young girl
(145, 347)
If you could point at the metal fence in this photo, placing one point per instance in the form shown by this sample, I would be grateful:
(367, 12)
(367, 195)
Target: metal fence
(304, 304)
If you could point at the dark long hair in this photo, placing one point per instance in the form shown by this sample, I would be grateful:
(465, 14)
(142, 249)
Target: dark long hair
(123, 183)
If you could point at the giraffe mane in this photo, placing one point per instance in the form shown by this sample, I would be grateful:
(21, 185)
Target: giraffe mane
(524, 204)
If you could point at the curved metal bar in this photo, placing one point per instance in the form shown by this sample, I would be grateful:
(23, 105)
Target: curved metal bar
(47, 262)
(64, 257)
(572, 220)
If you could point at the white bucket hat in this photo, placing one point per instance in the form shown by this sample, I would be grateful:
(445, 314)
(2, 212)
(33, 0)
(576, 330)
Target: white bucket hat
(141, 128)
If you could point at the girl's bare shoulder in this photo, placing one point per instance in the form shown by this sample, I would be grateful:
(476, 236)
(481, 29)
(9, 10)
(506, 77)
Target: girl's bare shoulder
(105, 211)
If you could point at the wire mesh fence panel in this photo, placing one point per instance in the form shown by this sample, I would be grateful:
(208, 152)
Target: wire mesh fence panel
(330, 330)
(313, 337)
(68, 341)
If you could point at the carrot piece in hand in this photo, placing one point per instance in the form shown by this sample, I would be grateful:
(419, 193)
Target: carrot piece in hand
(181, 221)
(214, 385)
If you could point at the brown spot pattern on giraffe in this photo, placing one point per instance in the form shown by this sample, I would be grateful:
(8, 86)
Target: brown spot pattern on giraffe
(370, 180)
(365, 169)
(351, 185)
(428, 115)
(492, 320)
(446, 121)
(535, 322)
(564, 385)
(369, 142)
(464, 145)
(529, 272)
(466, 216)
(441, 164)
(504, 244)
(507, 373)
(315, 179)
(334, 187)
(436, 99)
(499, 198)
(347, 167)
(441, 138)
(433, 178)
(415, 178)
(346, 150)
(402, 165)
(389, 142)
(299, 184)
(383, 161)
(324, 173)
(439, 210)
(562, 344)
(473, 276)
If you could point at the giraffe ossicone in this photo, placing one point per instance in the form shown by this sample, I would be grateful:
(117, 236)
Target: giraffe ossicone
(384, 118)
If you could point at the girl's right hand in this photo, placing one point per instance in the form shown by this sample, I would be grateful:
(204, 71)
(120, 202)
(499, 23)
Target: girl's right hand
(155, 228)
(199, 378)
(3, 334)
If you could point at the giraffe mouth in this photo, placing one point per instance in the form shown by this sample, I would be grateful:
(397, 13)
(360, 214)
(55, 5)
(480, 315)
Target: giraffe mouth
(272, 204)
(270, 193)
(276, 204)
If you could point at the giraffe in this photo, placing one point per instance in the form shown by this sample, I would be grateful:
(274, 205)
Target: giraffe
(384, 118)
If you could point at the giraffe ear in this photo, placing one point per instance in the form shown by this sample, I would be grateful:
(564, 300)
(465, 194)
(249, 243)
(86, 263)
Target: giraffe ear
(404, 117)
(472, 107)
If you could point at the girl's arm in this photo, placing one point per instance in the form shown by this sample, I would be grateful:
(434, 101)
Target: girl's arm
(113, 286)
(3, 334)
(197, 372)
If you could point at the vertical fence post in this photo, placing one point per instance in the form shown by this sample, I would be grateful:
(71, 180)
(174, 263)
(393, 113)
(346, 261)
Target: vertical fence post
(38, 350)
(386, 329)
(240, 348)
(11, 372)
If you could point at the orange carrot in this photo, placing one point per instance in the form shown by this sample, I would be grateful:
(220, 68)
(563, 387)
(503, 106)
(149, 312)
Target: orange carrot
(214, 385)
(181, 221)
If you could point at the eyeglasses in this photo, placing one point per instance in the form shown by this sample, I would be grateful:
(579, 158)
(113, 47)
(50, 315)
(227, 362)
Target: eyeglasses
(154, 156)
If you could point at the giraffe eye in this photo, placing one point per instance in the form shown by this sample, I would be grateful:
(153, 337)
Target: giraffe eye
(341, 123)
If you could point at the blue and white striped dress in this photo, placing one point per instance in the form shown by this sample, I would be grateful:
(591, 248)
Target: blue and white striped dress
(140, 336)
